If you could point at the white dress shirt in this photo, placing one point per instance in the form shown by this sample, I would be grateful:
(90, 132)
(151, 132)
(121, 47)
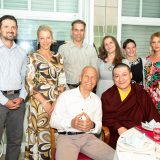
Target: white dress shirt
(12, 70)
(71, 103)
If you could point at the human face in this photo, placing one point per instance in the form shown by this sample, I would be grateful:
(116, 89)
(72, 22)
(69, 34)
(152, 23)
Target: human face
(109, 45)
(88, 79)
(122, 78)
(78, 32)
(130, 50)
(45, 39)
(8, 30)
(155, 44)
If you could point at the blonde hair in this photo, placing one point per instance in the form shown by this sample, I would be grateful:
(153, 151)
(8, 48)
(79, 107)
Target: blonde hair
(156, 34)
(44, 28)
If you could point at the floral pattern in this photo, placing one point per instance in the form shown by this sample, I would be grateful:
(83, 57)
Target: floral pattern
(152, 78)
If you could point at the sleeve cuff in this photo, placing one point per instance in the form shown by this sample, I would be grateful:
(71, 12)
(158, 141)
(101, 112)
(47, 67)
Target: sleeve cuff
(4, 100)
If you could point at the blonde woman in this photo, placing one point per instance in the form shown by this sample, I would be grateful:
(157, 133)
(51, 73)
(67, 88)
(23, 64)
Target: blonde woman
(152, 70)
(45, 80)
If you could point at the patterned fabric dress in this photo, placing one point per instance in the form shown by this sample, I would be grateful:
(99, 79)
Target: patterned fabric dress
(44, 77)
(152, 77)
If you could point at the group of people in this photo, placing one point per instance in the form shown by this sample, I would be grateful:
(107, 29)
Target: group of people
(59, 88)
(145, 71)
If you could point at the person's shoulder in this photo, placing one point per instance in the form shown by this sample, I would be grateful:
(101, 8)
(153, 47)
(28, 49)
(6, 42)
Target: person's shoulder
(99, 61)
(124, 60)
(66, 44)
(109, 92)
(86, 45)
(143, 60)
(69, 92)
(139, 88)
(19, 48)
(95, 97)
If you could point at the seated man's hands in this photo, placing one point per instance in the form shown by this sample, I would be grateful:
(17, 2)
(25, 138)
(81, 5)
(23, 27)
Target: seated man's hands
(82, 122)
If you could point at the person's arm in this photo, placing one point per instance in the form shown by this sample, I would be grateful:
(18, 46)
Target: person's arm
(23, 92)
(59, 117)
(61, 76)
(110, 118)
(93, 58)
(97, 118)
(3, 99)
(31, 85)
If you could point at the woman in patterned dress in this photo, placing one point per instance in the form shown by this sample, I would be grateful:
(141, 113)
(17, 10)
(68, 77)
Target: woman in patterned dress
(152, 70)
(45, 80)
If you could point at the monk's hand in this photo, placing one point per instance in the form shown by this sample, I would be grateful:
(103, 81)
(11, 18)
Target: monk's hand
(121, 130)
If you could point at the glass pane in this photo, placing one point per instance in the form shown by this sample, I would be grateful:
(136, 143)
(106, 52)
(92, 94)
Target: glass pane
(141, 35)
(16, 4)
(69, 6)
(130, 8)
(151, 8)
(27, 31)
(42, 5)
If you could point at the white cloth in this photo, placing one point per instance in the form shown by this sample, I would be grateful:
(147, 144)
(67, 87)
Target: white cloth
(12, 70)
(150, 125)
(130, 152)
(75, 59)
(71, 103)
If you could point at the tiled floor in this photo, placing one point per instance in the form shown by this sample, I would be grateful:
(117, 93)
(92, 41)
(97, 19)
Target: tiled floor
(20, 158)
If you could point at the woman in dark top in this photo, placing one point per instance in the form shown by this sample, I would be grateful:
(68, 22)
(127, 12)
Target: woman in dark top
(136, 63)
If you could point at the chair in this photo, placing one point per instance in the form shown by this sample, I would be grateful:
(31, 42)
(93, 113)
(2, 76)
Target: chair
(105, 138)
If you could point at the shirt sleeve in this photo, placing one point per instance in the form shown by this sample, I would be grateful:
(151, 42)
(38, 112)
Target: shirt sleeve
(23, 92)
(59, 118)
(3, 99)
(97, 119)
(94, 58)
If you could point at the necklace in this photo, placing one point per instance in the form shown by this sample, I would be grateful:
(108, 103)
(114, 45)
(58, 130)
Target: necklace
(110, 68)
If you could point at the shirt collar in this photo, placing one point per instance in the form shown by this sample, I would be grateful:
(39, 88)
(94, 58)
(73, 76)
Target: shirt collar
(80, 95)
(3, 45)
(84, 45)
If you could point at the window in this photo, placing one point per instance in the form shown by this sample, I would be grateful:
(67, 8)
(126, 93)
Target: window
(138, 19)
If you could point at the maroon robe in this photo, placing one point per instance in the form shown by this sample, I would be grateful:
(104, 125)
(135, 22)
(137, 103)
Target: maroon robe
(137, 107)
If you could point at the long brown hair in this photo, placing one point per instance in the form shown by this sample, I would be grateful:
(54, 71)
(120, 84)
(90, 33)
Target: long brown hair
(103, 54)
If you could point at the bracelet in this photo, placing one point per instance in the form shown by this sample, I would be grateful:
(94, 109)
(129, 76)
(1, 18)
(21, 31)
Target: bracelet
(45, 102)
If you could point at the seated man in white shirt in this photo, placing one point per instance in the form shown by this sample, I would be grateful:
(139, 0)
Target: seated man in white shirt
(77, 117)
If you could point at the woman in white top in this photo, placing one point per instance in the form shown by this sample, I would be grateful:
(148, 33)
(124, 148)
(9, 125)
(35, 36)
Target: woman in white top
(109, 55)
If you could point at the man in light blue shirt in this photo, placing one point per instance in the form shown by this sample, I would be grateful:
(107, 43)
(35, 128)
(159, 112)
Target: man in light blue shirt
(12, 91)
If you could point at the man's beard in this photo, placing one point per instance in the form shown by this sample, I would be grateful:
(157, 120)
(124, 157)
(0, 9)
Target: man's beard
(11, 37)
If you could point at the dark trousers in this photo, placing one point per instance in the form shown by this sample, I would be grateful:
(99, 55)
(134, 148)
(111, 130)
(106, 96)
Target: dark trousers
(12, 120)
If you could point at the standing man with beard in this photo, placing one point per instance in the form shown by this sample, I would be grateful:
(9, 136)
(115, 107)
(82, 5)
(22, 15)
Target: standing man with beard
(12, 92)
(77, 54)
